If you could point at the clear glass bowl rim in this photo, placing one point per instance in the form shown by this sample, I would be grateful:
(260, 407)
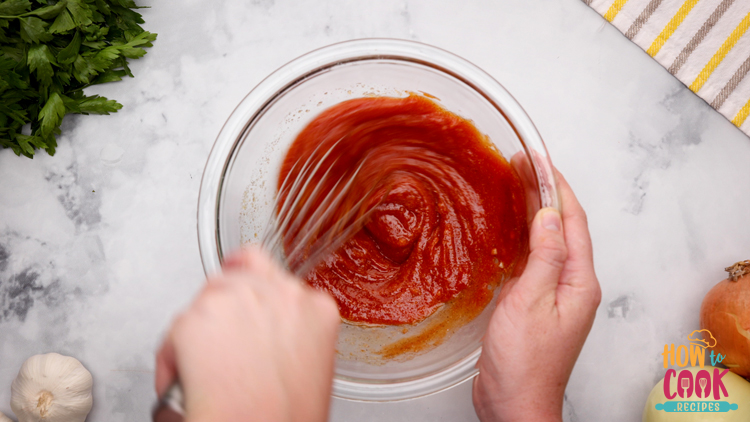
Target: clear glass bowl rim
(252, 106)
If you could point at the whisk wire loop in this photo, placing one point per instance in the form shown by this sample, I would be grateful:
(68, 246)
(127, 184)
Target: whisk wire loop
(281, 212)
(308, 220)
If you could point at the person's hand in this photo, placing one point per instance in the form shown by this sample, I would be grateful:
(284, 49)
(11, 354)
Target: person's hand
(256, 344)
(541, 322)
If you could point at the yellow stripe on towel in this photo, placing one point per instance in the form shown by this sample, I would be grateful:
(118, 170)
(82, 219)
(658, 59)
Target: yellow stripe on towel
(739, 119)
(672, 26)
(614, 9)
(720, 54)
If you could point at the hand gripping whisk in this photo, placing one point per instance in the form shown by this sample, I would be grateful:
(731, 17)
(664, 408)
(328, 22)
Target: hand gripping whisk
(307, 223)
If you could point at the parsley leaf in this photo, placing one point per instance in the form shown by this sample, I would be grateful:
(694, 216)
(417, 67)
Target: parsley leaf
(50, 51)
(14, 7)
(98, 105)
(68, 54)
(52, 114)
(33, 30)
(40, 60)
(63, 22)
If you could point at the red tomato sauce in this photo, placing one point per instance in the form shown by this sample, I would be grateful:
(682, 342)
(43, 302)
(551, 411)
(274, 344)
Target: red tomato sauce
(449, 216)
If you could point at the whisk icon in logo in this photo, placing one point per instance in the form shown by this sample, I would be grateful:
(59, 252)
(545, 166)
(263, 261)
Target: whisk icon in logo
(694, 381)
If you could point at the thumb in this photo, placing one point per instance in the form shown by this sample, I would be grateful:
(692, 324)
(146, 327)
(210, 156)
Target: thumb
(547, 256)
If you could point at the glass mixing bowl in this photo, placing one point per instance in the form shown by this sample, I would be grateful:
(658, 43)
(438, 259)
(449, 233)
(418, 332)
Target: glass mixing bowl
(239, 182)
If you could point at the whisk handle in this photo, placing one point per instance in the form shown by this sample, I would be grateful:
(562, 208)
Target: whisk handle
(171, 406)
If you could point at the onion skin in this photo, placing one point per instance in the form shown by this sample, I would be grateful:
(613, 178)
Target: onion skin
(726, 313)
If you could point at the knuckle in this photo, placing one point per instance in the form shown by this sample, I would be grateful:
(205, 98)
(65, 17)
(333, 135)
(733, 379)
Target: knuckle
(255, 261)
(202, 304)
(325, 306)
(181, 324)
(596, 296)
(215, 285)
(206, 294)
(212, 297)
(293, 289)
(214, 282)
(583, 216)
(247, 295)
(552, 251)
(290, 295)
(244, 289)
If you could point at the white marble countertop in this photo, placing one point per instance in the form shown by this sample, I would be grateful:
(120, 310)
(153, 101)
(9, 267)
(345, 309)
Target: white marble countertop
(98, 245)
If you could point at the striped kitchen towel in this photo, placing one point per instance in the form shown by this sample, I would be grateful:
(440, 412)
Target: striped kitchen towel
(704, 43)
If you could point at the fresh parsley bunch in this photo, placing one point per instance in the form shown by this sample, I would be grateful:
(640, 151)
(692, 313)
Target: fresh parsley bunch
(50, 50)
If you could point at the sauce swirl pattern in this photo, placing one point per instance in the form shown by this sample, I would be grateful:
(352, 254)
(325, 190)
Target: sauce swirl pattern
(449, 211)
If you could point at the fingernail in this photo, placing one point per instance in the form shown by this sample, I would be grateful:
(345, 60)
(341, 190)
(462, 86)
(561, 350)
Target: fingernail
(551, 220)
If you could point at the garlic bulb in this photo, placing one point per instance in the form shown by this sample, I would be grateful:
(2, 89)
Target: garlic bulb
(4, 418)
(52, 388)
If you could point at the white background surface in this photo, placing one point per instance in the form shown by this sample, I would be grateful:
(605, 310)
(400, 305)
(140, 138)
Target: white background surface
(98, 245)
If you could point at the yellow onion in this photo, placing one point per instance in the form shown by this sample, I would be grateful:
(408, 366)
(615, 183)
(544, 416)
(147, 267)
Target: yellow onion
(726, 314)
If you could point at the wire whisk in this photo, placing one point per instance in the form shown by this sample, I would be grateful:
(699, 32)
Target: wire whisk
(307, 223)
